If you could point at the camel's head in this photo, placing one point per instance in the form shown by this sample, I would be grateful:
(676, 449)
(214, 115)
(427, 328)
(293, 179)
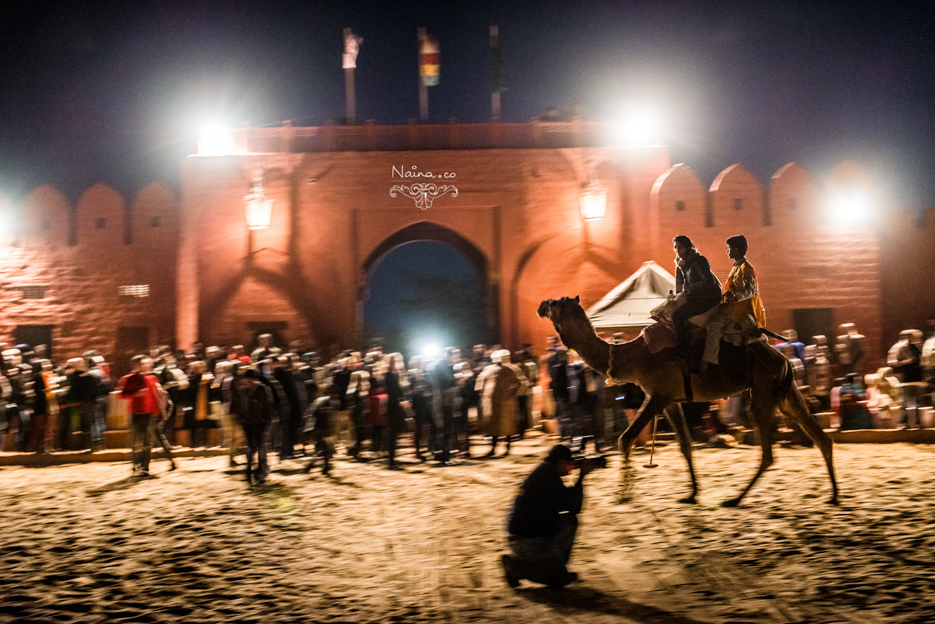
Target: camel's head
(558, 310)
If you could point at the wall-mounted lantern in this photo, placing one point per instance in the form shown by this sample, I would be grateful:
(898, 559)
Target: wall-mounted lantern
(258, 208)
(593, 198)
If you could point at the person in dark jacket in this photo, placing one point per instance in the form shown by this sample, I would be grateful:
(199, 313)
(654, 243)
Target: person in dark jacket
(395, 400)
(697, 283)
(557, 363)
(291, 411)
(420, 395)
(324, 410)
(256, 413)
(543, 522)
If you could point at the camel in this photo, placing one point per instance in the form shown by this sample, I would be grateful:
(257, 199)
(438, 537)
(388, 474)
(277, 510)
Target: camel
(759, 367)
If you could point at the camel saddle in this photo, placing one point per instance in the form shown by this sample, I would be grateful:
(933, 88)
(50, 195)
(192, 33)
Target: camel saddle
(661, 334)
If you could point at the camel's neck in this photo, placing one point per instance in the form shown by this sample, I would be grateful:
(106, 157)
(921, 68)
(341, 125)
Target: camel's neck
(594, 351)
(627, 357)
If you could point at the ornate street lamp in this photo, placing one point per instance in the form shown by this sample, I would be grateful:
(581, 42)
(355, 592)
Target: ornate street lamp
(593, 198)
(258, 208)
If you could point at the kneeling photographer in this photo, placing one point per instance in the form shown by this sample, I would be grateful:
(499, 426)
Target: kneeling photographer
(543, 520)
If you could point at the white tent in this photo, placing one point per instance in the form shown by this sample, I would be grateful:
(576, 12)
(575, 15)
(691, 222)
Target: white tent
(629, 304)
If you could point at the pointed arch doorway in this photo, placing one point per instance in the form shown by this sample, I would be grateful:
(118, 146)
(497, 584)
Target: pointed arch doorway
(427, 286)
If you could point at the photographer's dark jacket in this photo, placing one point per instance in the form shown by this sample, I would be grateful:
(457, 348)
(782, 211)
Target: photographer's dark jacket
(542, 498)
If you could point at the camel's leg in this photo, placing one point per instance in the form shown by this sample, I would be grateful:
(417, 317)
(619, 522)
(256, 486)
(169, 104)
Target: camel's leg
(677, 417)
(794, 407)
(651, 407)
(763, 409)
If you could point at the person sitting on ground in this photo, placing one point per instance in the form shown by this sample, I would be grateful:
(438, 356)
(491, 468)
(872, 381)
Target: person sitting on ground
(854, 412)
(543, 522)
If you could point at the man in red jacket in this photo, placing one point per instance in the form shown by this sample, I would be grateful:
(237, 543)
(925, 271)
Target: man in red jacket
(142, 390)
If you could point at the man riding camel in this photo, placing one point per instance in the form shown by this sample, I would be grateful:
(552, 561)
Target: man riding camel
(695, 281)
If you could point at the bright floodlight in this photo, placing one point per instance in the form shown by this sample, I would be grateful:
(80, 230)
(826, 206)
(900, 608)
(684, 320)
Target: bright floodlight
(6, 219)
(640, 128)
(430, 351)
(851, 207)
(215, 140)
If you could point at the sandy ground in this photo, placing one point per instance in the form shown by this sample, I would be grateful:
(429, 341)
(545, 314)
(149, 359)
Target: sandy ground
(82, 543)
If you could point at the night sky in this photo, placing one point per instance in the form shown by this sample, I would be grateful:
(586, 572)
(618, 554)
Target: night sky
(115, 91)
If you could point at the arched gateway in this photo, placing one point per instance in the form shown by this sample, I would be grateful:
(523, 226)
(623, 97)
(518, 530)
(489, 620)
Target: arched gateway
(427, 231)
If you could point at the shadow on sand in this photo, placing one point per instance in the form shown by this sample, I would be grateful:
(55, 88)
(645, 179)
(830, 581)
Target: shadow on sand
(628, 476)
(276, 489)
(572, 600)
(116, 486)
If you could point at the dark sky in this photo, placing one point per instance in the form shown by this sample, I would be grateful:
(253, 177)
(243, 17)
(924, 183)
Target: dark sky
(114, 91)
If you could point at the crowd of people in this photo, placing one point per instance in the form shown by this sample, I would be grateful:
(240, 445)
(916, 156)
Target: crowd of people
(273, 398)
(835, 378)
(289, 400)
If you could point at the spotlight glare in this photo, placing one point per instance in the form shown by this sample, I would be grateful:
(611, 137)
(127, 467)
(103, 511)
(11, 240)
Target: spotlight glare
(851, 208)
(215, 140)
(640, 128)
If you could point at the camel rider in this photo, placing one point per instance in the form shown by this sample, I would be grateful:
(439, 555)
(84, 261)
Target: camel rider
(742, 306)
(694, 281)
(741, 291)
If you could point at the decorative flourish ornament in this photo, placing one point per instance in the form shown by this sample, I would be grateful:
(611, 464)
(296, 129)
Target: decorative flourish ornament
(423, 193)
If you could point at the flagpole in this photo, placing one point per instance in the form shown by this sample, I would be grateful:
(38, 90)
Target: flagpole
(423, 88)
(349, 95)
(495, 93)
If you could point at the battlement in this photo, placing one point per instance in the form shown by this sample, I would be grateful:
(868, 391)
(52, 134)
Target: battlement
(102, 221)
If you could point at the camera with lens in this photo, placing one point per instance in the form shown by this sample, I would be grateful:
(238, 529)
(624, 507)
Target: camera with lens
(595, 461)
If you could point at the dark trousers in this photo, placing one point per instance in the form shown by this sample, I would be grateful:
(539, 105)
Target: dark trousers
(324, 446)
(422, 412)
(543, 559)
(140, 441)
(462, 435)
(911, 406)
(40, 429)
(255, 435)
(495, 439)
(64, 426)
(563, 416)
(692, 307)
(447, 432)
(159, 431)
(522, 416)
(288, 422)
(24, 429)
(360, 416)
(396, 422)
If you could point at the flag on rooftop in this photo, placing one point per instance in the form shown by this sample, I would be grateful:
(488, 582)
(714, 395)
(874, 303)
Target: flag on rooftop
(428, 61)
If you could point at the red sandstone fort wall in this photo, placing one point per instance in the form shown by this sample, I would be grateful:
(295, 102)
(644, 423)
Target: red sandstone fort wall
(66, 268)
(209, 277)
